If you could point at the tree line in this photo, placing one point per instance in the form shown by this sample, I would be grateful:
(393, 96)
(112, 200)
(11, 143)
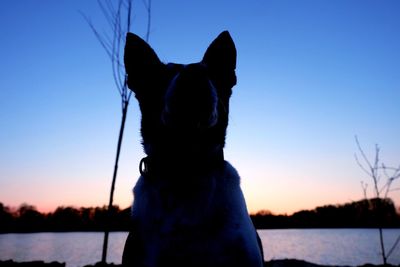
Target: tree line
(367, 213)
(64, 219)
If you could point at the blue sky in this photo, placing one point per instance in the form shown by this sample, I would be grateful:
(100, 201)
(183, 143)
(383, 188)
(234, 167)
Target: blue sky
(311, 75)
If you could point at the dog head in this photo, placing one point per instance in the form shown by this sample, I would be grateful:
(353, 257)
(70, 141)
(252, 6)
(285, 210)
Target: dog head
(183, 106)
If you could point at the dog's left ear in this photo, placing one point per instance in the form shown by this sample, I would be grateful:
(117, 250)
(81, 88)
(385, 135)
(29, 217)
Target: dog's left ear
(220, 59)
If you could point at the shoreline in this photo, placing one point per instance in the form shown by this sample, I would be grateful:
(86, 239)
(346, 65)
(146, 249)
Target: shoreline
(271, 263)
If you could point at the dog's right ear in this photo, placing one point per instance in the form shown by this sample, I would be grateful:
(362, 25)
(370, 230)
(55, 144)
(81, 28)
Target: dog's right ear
(141, 62)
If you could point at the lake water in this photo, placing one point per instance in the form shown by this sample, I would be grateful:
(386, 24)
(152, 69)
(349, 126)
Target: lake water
(322, 246)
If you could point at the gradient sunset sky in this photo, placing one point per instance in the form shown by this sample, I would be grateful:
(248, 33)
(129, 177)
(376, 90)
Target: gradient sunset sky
(311, 76)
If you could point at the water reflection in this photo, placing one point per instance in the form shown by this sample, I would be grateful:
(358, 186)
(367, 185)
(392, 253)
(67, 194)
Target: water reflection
(323, 246)
(328, 246)
(76, 249)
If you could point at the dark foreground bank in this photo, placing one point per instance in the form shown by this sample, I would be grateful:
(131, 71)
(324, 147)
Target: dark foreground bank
(272, 263)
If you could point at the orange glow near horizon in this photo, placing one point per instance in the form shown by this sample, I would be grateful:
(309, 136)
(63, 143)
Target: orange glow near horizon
(286, 207)
(281, 192)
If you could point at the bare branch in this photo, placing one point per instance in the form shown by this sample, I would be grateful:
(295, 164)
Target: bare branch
(109, 47)
(108, 13)
(390, 177)
(393, 247)
(99, 37)
(391, 174)
(128, 26)
(148, 8)
(113, 46)
(362, 166)
(384, 168)
(364, 187)
(387, 187)
(362, 153)
(376, 164)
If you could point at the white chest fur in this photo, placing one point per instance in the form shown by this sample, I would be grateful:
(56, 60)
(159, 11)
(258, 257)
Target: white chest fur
(198, 221)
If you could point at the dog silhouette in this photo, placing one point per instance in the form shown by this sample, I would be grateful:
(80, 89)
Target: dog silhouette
(188, 207)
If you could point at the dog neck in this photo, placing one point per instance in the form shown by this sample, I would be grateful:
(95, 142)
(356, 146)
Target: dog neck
(174, 164)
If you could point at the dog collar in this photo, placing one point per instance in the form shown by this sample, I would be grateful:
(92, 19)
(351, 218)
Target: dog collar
(144, 166)
(150, 165)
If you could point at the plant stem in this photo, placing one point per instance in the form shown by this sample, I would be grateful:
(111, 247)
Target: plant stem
(121, 134)
(382, 246)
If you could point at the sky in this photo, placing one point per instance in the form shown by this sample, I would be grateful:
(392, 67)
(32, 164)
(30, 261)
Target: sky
(311, 74)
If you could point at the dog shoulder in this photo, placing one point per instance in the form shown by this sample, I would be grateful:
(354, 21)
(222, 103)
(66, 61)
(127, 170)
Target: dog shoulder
(230, 174)
(238, 229)
(229, 196)
(228, 184)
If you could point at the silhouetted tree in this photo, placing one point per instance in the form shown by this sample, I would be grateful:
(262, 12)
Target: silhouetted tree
(67, 219)
(6, 218)
(376, 171)
(87, 218)
(30, 218)
(355, 214)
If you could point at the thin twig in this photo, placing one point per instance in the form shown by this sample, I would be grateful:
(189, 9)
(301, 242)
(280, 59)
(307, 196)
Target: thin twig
(393, 247)
(362, 166)
(364, 187)
(374, 172)
(148, 8)
(107, 13)
(103, 42)
(362, 153)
